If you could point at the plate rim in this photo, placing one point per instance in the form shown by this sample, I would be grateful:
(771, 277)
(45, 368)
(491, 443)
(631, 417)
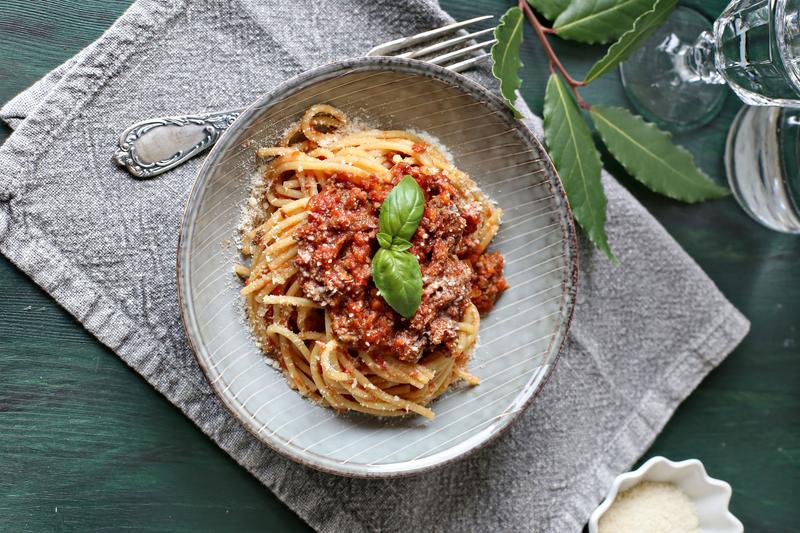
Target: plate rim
(569, 280)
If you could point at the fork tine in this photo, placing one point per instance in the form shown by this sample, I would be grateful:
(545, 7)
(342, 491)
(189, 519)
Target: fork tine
(404, 42)
(438, 60)
(445, 44)
(467, 63)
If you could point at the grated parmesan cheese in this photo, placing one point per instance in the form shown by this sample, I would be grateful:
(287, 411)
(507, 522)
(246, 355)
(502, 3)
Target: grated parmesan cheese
(650, 507)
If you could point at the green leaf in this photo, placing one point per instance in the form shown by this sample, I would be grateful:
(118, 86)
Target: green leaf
(396, 272)
(505, 56)
(384, 240)
(650, 156)
(399, 245)
(599, 21)
(402, 209)
(630, 40)
(572, 150)
(399, 280)
(549, 8)
(388, 242)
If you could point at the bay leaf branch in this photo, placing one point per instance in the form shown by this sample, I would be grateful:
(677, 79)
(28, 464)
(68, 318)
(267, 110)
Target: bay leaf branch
(574, 155)
(505, 56)
(599, 21)
(630, 40)
(649, 155)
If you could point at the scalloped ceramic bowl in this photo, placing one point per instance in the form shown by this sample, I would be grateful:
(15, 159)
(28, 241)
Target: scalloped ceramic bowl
(710, 496)
(520, 339)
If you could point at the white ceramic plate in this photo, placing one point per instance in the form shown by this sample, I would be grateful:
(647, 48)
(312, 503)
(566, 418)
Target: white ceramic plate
(519, 340)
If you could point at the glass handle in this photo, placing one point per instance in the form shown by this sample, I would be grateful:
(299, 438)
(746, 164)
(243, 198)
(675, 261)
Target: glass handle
(696, 63)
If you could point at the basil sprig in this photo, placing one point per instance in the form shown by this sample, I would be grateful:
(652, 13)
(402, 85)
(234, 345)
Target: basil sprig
(395, 270)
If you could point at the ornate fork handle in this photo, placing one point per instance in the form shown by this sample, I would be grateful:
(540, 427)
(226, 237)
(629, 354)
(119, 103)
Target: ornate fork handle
(156, 145)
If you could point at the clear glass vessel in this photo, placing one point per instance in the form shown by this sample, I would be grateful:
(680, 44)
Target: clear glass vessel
(762, 160)
(677, 79)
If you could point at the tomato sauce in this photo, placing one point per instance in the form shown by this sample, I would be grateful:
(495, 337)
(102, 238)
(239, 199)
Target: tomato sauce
(335, 249)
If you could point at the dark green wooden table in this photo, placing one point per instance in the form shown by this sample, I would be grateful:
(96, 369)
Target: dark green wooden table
(86, 444)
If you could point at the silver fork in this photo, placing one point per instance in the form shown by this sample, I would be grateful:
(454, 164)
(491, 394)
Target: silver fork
(156, 145)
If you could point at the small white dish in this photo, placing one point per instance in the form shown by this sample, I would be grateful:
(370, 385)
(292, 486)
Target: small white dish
(710, 496)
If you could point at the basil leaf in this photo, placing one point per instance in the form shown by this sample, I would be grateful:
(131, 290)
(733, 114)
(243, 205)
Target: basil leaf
(396, 272)
(384, 240)
(397, 276)
(402, 209)
(399, 245)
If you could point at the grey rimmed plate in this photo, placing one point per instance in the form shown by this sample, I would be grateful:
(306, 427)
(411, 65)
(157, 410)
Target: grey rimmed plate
(519, 340)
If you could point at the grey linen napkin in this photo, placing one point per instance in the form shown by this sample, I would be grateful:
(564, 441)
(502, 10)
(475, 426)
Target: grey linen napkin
(103, 245)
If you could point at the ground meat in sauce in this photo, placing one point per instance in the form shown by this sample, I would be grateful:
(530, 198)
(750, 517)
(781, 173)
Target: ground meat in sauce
(488, 282)
(336, 244)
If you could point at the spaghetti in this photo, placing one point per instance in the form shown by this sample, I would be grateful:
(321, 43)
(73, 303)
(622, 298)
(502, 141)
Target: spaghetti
(309, 295)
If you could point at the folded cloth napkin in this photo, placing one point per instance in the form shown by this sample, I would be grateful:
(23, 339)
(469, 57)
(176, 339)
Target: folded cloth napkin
(103, 244)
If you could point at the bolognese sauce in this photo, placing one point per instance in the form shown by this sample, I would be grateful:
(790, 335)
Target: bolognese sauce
(338, 240)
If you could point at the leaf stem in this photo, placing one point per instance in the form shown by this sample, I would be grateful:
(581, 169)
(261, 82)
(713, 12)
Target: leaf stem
(555, 63)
